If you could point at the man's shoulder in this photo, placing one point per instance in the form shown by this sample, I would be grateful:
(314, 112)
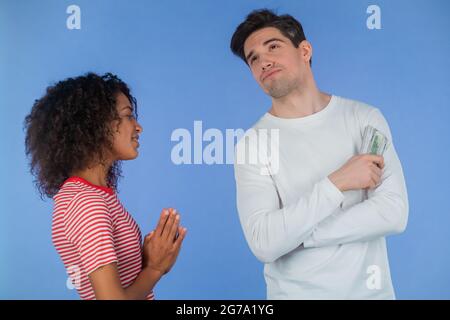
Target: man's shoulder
(356, 108)
(261, 126)
(355, 105)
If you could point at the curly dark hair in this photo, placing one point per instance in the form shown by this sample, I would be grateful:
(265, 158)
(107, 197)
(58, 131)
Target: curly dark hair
(263, 18)
(70, 128)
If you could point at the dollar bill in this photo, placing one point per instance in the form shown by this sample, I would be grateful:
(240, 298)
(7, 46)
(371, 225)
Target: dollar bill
(374, 142)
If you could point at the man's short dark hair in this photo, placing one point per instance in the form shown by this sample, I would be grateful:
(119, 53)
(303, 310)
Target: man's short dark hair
(263, 18)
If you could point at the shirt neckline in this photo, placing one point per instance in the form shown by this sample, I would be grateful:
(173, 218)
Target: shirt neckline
(84, 181)
(307, 119)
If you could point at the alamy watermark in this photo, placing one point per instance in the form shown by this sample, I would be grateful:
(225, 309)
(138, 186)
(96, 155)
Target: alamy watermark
(73, 21)
(373, 21)
(373, 282)
(74, 279)
(258, 147)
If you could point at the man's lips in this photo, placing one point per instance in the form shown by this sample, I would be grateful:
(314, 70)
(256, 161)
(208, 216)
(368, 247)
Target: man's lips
(268, 74)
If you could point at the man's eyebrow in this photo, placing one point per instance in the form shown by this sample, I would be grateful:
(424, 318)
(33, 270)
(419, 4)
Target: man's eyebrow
(271, 40)
(249, 55)
(264, 44)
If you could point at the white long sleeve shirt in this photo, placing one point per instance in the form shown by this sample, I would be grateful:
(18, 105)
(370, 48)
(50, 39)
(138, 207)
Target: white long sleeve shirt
(317, 242)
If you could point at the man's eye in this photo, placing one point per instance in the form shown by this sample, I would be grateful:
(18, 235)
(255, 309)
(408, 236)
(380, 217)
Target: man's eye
(273, 46)
(253, 59)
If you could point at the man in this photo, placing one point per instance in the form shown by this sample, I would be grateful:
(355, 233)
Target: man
(319, 218)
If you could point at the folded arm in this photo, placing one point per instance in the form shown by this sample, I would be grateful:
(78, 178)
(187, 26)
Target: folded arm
(271, 228)
(385, 211)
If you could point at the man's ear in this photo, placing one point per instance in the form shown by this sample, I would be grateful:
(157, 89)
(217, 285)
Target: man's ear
(305, 50)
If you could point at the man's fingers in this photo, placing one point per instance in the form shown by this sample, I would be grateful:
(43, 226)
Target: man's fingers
(376, 170)
(375, 180)
(379, 160)
(162, 221)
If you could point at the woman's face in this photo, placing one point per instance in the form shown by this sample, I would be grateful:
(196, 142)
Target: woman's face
(126, 134)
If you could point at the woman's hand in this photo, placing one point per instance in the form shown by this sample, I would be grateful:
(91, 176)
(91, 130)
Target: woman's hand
(162, 245)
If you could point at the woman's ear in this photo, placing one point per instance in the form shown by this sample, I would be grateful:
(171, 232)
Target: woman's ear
(115, 125)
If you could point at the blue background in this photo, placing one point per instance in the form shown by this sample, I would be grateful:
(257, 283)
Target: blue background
(175, 56)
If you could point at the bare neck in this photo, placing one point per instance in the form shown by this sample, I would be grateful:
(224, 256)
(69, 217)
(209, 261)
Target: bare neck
(302, 102)
(96, 175)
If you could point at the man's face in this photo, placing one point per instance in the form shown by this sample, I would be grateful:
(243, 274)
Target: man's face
(126, 135)
(276, 64)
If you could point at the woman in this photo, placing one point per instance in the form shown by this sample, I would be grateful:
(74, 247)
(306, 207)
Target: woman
(77, 134)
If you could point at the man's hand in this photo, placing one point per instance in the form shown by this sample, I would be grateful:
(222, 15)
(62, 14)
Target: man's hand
(360, 172)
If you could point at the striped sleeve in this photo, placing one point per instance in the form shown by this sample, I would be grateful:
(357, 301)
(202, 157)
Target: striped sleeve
(89, 228)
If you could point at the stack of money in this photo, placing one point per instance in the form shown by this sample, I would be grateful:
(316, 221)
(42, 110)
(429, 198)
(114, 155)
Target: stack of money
(374, 142)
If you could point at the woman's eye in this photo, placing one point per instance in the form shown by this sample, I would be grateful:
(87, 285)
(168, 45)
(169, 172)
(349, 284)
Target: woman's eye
(273, 46)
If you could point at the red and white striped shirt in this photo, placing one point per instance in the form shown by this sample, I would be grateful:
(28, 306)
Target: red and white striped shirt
(90, 229)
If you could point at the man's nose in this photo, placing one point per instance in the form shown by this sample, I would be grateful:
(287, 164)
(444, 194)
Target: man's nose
(266, 65)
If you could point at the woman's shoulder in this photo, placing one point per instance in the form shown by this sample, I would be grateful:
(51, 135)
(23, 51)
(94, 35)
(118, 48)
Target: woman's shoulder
(74, 197)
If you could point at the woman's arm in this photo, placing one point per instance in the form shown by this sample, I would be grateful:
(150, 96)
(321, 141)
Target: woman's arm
(161, 249)
(106, 283)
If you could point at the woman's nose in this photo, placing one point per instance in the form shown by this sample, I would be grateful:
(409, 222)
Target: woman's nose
(139, 128)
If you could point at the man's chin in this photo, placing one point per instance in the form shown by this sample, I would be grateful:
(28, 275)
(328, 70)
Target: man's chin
(270, 89)
(279, 89)
(277, 93)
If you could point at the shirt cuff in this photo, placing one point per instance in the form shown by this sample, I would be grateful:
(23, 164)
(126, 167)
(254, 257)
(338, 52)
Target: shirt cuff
(309, 242)
(333, 192)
